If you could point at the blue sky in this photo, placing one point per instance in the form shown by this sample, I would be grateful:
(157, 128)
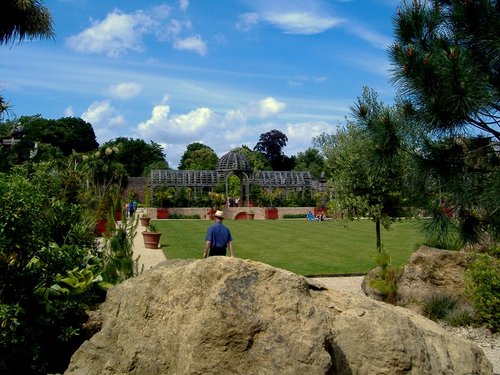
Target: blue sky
(220, 72)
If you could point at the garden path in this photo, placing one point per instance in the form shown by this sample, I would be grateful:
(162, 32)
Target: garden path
(148, 258)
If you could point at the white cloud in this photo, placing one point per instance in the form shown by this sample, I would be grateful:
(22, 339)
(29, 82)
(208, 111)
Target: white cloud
(263, 108)
(291, 16)
(118, 33)
(304, 23)
(193, 43)
(224, 131)
(194, 121)
(124, 90)
(121, 32)
(113, 36)
(183, 4)
(69, 112)
(300, 134)
(270, 106)
(377, 40)
(247, 21)
(104, 119)
(161, 125)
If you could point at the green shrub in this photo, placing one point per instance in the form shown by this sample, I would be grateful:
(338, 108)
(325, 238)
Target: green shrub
(387, 280)
(42, 239)
(483, 287)
(180, 216)
(442, 232)
(438, 306)
(460, 317)
(295, 216)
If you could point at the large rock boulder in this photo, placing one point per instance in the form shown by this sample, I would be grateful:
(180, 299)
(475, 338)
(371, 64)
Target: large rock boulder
(226, 315)
(433, 271)
(429, 272)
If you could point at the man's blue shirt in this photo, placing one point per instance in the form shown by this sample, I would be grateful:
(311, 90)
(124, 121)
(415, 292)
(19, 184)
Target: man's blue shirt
(218, 235)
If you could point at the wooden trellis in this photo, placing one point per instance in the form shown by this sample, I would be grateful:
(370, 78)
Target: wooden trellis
(236, 164)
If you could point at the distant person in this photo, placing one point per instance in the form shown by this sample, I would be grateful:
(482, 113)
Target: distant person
(310, 216)
(218, 238)
(131, 209)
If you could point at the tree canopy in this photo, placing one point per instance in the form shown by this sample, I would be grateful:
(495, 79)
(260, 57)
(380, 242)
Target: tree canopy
(198, 157)
(137, 156)
(20, 20)
(68, 134)
(24, 19)
(51, 139)
(310, 160)
(446, 64)
(271, 145)
(257, 161)
(367, 164)
(446, 67)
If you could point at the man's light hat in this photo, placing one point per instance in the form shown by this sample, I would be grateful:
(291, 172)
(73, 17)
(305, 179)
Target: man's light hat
(219, 214)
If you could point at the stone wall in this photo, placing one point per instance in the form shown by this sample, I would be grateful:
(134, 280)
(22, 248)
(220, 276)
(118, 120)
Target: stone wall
(231, 212)
(138, 185)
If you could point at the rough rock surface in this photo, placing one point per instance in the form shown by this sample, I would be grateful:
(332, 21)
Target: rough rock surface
(430, 271)
(226, 315)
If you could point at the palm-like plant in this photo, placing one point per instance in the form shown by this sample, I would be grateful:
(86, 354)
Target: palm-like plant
(22, 19)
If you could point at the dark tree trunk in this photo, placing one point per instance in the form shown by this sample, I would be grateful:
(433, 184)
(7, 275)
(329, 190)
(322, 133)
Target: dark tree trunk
(377, 231)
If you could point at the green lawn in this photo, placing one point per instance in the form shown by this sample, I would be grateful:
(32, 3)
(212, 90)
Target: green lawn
(300, 246)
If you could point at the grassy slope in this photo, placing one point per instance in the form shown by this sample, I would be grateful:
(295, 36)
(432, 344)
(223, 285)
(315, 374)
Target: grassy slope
(300, 246)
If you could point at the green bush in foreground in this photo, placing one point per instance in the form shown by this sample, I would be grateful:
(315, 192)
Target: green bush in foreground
(460, 317)
(386, 281)
(438, 306)
(483, 287)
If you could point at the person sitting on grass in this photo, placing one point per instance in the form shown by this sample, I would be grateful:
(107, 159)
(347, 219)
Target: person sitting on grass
(310, 216)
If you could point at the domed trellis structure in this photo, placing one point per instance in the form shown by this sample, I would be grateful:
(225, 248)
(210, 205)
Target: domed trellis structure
(233, 163)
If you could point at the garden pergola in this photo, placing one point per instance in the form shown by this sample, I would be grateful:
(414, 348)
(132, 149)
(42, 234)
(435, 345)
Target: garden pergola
(234, 163)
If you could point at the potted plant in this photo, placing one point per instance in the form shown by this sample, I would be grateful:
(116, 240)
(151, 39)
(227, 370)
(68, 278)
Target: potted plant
(103, 213)
(145, 219)
(164, 198)
(151, 237)
(271, 212)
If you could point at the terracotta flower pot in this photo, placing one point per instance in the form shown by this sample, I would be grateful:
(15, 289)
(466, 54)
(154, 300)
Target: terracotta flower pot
(271, 213)
(145, 221)
(162, 213)
(151, 239)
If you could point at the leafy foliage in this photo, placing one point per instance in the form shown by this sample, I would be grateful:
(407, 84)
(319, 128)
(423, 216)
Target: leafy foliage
(68, 134)
(271, 145)
(33, 319)
(51, 270)
(438, 306)
(483, 287)
(118, 263)
(386, 280)
(24, 19)
(198, 156)
(446, 57)
(137, 156)
(310, 160)
(367, 164)
(257, 160)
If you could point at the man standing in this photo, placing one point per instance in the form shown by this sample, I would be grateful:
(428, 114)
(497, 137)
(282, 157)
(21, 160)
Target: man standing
(218, 238)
